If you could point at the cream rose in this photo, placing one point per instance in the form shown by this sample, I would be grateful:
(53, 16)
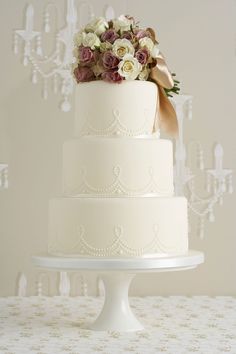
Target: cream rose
(153, 49)
(121, 47)
(97, 25)
(144, 74)
(91, 40)
(122, 23)
(105, 46)
(147, 43)
(79, 37)
(129, 67)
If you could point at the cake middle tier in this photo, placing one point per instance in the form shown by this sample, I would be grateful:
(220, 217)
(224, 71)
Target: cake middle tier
(118, 166)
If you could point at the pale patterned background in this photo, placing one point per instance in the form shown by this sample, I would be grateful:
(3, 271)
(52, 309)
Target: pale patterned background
(199, 40)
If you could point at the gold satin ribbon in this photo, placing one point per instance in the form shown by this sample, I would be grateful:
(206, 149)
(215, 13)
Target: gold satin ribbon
(165, 113)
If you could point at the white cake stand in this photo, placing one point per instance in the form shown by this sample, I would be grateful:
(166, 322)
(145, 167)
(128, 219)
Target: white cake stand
(117, 274)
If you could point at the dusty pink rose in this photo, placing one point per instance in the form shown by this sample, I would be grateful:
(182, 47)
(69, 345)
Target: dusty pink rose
(109, 60)
(86, 55)
(141, 34)
(142, 56)
(109, 36)
(112, 76)
(84, 74)
(128, 35)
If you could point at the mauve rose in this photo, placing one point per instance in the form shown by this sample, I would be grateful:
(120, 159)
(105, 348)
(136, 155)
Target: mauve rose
(110, 61)
(84, 74)
(141, 34)
(109, 36)
(86, 55)
(128, 35)
(142, 56)
(112, 76)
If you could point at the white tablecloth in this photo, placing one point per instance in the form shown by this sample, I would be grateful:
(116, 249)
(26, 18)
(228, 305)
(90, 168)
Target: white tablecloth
(175, 324)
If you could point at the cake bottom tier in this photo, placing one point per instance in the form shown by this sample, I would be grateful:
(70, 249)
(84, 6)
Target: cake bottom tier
(123, 227)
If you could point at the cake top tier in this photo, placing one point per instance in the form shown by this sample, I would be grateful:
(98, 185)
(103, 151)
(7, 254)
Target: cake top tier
(118, 51)
(102, 109)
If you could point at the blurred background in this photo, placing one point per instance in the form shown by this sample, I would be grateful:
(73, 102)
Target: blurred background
(198, 39)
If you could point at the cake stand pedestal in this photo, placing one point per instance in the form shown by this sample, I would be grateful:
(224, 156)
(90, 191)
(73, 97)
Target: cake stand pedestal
(117, 274)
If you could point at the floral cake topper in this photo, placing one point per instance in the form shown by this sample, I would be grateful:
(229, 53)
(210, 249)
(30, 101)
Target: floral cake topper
(118, 50)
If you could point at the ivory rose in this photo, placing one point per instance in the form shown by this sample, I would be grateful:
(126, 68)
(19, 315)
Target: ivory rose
(129, 67)
(147, 42)
(144, 74)
(123, 23)
(91, 40)
(78, 38)
(121, 47)
(97, 25)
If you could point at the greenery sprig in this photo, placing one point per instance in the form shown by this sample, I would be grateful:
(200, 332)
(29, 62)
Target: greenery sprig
(175, 89)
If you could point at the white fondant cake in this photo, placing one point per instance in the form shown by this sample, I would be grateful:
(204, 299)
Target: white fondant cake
(109, 166)
(118, 226)
(117, 179)
(106, 109)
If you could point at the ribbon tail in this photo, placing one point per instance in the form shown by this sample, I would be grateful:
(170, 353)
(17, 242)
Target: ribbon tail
(165, 114)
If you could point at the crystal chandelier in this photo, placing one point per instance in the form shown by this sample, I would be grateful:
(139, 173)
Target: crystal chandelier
(218, 180)
(52, 69)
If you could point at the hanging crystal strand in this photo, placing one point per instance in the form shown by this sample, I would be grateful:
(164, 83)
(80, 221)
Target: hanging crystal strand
(57, 50)
(5, 178)
(46, 22)
(189, 223)
(221, 199)
(84, 286)
(200, 158)
(15, 45)
(208, 182)
(230, 184)
(34, 78)
(215, 185)
(211, 216)
(65, 105)
(223, 186)
(38, 46)
(192, 189)
(26, 52)
(45, 89)
(201, 227)
(190, 109)
(55, 83)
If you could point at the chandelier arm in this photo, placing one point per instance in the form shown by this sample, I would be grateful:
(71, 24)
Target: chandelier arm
(217, 195)
(42, 73)
(44, 61)
(191, 144)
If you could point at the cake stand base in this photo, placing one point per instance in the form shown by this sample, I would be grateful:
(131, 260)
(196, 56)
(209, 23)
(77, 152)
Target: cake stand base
(117, 274)
(116, 314)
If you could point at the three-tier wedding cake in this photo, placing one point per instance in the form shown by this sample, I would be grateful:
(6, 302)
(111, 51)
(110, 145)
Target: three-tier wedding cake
(118, 196)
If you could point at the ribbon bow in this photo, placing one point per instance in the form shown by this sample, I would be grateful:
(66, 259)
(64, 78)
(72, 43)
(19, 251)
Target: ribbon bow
(165, 112)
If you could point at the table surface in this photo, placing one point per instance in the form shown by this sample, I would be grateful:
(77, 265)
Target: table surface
(174, 325)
